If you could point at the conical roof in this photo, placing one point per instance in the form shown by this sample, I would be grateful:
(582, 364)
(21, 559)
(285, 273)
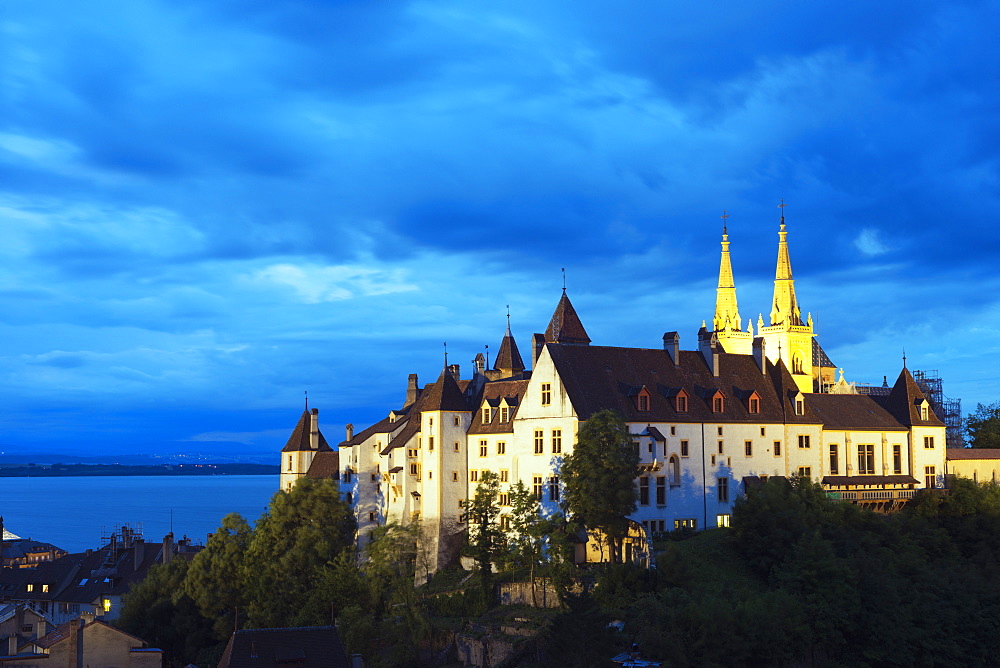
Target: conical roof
(443, 395)
(565, 325)
(509, 358)
(299, 440)
(903, 401)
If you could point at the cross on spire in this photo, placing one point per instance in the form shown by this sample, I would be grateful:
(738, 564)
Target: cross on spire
(564, 279)
(445, 354)
(724, 218)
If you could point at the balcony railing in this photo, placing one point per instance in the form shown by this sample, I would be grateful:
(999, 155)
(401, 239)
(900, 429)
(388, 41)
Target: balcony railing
(862, 495)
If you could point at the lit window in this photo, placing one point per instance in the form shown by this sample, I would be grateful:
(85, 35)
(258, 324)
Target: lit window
(106, 604)
(556, 441)
(546, 394)
(539, 441)
(686, 524)
(501, 447)
(31, 587)
(722, 520)
(803, 440)
(45, 589)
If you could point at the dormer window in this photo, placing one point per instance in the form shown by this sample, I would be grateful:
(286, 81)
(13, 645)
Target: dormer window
(504, 414)
(800, 405)
(681, 402)
(487, 415)
(642, 400)
(753, 403)
(924, 411)
(718, 402)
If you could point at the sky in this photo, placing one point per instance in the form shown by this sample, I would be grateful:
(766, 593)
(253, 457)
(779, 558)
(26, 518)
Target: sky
(208, 208)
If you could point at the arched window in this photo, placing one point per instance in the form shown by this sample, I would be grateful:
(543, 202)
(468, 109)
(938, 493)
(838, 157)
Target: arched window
(675, 470)
(797, 363)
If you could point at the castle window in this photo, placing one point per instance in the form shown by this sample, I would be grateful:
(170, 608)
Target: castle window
(430, 443)
(289, 462)
(643, 403)
(800, 407)
(483, 448)
(753, 403)
(930, 478)
(674, 470)
(501, 447)
(722, 521)
(763, 431)
(539, 441)
(805, 472)
(556, 441)
(349, 498)
(897, 459)
(673, 430)
(718, 403)
(415, 470)
(536, 487)
(454, 476)
(457, 446)
(504, 475)
(371, 517)
(834, 460)
(644, 491)
(803, 440)
(487, 415)
(748, 448)
(723, 490)
(866, 459)
(546, 394)
(719, 430)
(473, 475)
(661, 491)
(721, 447)
(553, 488)
(505, 522)
(681, 402)
(504, 414)
(684, 448)
(928, 441)
(686, 524)
(457, 421)
(504, 499)
(777, 448)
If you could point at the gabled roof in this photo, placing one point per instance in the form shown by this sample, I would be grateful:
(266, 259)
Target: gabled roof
(309, 647)
(61, 633)
(565, 325)
(903, 402)
(492, 394)
(383, 426)
(299, 440)
(325, 464)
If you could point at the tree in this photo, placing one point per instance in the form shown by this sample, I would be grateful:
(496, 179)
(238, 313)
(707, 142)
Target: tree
(599, 477)
(213, 581)
(525, 534)
(983, 426)
(486, 539)
(297, 536)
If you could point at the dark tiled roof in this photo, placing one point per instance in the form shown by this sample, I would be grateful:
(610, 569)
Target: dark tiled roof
(854, 480)
(325, 465)
(443, 395)
(509, 357)
(972, 453)
(309, 647)
(852, 411)
(299, 440)
(598, 377)
(565, 325)
(61, 633)
(820, 358)
(383, 426)
(655, 434)
(902, 402)
(493, 393)
(403, 436)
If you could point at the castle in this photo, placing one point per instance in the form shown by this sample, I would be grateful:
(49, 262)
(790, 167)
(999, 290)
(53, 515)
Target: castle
(708, 422)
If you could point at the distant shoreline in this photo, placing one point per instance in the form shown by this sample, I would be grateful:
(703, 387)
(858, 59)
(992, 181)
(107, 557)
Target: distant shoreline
(90, 470)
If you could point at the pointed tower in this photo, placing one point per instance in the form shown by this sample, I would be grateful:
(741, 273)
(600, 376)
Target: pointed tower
(727, 322)
(565, 326)
(788, 338)
(508, 362)
(302, 447)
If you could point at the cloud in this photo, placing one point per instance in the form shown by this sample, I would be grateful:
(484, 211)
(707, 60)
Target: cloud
(868, 242)
(324, 284)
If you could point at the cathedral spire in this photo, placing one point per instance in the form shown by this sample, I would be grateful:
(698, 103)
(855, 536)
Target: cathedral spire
(727, 314)
(784, 307)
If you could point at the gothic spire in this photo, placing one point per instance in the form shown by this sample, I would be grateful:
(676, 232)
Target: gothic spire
(784, 307)
(727, 314)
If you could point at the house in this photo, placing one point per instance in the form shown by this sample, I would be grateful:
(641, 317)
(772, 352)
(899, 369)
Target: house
(741, 406)
(24, 552)
(94, 644)
(308, 647)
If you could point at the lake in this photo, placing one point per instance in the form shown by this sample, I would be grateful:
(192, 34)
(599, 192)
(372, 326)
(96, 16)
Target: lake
(74, 513)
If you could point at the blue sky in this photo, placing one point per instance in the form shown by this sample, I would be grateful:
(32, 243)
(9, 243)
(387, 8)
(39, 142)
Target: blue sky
(207, 208)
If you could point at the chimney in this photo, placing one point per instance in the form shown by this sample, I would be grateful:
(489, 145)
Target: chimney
(538, 342)
(479, 363)
(12, 644)
(314, 429)
(411, 389)
(42, 628)
(708, 345)
(75, 654)
(453, 369)
(758, 354)
(672, 344)
(168, 547)
(137, 553)
(349, 431)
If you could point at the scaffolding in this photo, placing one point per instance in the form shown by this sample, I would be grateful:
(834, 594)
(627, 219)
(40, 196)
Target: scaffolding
(948, 410)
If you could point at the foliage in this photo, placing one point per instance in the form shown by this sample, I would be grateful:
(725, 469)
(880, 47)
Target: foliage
(599, 477)
(486, 539)
(213, 582)
(982, 427)
(301, 531)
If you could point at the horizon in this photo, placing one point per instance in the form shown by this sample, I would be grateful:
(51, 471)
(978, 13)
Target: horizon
(208, 211)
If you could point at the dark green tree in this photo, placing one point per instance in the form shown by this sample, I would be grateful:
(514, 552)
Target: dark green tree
(524, 536)
(297, 536)
(983, 426)
(214, 580)
(486, 538)
(599, 478)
